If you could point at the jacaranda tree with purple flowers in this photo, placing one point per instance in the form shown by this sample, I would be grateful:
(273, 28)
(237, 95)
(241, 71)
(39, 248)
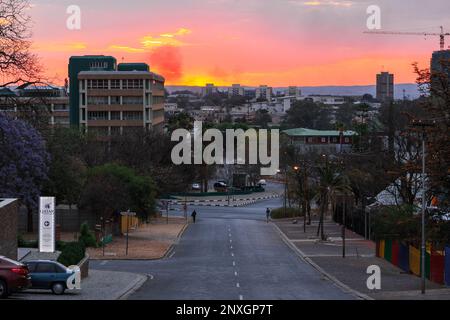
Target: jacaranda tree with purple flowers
(23, 163)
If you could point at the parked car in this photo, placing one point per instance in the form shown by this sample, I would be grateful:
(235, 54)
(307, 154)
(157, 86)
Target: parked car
(46, 274)
(14, 276)
(196, 186)
(220, 186)
(262, 182)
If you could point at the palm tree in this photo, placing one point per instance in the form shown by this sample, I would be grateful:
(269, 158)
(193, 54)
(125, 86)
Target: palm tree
(330, 182)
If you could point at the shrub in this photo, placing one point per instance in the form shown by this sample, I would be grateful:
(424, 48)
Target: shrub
(396, 222)
(280, 213)
(72, 253)
(22, 243)
(87, 237)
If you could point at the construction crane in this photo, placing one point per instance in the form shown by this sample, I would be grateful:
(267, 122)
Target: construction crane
(441, 35)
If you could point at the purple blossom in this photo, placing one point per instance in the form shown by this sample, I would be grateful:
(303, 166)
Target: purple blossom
(23, 161)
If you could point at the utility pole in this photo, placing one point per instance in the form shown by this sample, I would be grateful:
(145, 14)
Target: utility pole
(285, 189)
(424, 203)
(343, 224)
(423, 125)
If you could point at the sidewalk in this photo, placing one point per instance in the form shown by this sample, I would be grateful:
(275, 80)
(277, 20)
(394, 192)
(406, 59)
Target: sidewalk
(149, 241)
(350, 272)
(100, 285)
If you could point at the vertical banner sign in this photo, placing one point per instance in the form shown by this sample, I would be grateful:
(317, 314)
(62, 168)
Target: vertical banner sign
(46, 224)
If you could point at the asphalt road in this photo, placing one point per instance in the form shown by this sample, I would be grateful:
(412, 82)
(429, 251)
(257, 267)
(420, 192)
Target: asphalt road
(232, 254)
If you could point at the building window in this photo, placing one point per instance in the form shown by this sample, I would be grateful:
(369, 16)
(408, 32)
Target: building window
(132, 115)
(83, 99)
(82, 84)
(157, 99)
(97, 115)
(310, 140)
(115, 99)
(132, 84)
(133, 100)
(98, 84)
(60, 107)
(115, 84)
(347, 140)
(334, 140)
(323, 139)
(115, 115)
(94, 100)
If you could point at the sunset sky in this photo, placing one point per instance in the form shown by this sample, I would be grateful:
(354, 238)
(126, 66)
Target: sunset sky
(252, 42)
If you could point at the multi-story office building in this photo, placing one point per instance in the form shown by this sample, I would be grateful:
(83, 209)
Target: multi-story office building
(293, 91)
(49, 101)
(264, 92)
(113, 101)
(385, 86)
(440, 69)
(209, 89)
(236, 90)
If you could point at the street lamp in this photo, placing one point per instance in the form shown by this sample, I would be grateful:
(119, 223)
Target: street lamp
(423, 125)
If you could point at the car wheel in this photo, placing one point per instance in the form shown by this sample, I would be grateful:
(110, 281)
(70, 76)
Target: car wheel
(58, 288)
(3, 290)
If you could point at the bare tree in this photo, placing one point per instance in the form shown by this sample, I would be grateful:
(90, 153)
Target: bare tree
(17, 63)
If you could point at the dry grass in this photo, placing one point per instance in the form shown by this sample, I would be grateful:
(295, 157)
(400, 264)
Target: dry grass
(149, 241)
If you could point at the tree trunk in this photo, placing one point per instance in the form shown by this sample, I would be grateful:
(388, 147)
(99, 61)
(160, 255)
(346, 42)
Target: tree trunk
(29, 219)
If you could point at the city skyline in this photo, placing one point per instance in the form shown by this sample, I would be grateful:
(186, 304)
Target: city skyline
(278, 43)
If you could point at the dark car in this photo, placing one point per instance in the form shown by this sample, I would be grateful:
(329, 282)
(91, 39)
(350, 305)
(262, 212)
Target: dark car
(14, 276)
(220, 186)
(46, 274)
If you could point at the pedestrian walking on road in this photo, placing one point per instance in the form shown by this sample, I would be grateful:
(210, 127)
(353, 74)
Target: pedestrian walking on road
(193, 215)
(268, 215)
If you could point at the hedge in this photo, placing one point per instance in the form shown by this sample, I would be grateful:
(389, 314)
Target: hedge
(72, 253)
(281, 213)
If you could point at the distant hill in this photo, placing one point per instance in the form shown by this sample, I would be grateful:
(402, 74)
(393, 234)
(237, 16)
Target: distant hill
(411, 90)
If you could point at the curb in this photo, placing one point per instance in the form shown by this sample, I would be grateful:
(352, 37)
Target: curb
(172, 246)
(338, 283)
(133, 288)
(214, 203)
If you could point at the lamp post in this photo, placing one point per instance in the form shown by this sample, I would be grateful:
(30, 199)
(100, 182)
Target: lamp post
(423, 125)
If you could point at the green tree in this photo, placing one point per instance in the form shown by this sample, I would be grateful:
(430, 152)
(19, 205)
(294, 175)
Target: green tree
(262, 118)
(308, 114)
(330, 182)
(180, 121)
(112, 187)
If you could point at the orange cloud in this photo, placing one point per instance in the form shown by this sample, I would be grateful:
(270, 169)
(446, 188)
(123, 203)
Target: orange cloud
(167, 61)
(60, 47)
(125, 49)
(165, 39)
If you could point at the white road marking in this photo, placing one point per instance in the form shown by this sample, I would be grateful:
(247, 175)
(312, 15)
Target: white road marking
(232, 254)
(237, 285)
(103, 262)
(150, 276)
(235, 273)
(234, 263)
(241, 297)
(231, 247)
(231, 241)
(171, 255)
